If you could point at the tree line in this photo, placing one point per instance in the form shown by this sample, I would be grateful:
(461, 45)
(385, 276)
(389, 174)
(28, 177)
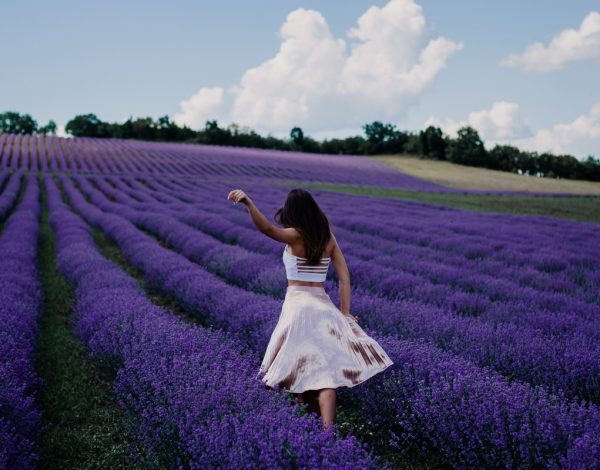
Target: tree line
(467, 148)
(12, 122)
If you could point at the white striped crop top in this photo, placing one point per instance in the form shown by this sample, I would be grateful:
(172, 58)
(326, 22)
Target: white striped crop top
(297, 269)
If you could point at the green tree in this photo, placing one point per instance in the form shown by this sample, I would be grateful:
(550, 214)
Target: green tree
(504, 157)
(545, 164)
(413, 144)
(433, 143)
(144, 129)
(467, 148)
(378, 134)
(86, 125)
(213, 134)
(169, 131)
(384, 138)
(589, 169)
(49, 128)
(297, 137)
(354, 145)
(304, 143)
(125, 130)
(566, 166)
(12, 122)
(527, 162)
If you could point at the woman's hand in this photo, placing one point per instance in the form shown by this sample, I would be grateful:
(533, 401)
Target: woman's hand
(237, 195)
(351, 316)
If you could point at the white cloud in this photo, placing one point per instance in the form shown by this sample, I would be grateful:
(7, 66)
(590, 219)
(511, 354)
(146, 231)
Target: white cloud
(567, 46)
(205, 104)
(287, 89)
(502, 121)
(337, 133)
(448, 125)
(323, 83)
(580, 138)
(61, 132)
(503, 124)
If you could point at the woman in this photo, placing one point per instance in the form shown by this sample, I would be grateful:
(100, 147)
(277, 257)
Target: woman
(315, 347)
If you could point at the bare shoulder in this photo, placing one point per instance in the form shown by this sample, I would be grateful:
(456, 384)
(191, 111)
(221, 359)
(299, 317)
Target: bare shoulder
(291, 235)
(292, 232)
(287, 235)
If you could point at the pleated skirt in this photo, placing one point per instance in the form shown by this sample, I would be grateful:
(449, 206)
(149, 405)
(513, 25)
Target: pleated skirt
(315, 346)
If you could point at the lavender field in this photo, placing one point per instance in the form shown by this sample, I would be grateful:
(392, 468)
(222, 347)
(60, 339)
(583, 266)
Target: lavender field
(492, 320)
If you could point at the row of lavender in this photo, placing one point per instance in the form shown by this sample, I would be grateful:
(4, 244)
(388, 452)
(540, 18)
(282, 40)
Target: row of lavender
(517, 242)
(481, 254)
(12, 186)
(20, 306)
(503, 247)
(528, 249)
(106, 156)
(429, 399)
(514, 345)
(20, 418)
(485, 256)
(191, 390)
(390, 252)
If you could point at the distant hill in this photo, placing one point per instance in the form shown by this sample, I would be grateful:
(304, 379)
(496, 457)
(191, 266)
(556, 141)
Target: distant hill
(468, 177)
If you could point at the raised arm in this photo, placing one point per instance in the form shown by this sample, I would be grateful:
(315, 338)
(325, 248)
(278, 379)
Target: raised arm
(284, 235)
(339, 263)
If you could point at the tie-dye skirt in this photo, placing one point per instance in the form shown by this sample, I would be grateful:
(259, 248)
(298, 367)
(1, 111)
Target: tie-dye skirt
(315, 346)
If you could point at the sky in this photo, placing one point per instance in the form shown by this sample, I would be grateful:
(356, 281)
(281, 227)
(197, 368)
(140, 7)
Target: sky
(525, 73)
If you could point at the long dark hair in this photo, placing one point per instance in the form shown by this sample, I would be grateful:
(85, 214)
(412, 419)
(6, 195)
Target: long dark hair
(302, 212)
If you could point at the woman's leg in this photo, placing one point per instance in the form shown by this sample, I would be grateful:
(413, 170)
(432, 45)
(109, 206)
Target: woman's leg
(327, 402)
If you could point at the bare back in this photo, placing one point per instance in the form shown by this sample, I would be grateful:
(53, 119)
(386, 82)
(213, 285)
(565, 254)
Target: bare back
(332, 250)
(297, 248)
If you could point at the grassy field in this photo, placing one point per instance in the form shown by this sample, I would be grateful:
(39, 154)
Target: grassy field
(86, 427)
(583, 209)
(468, 177)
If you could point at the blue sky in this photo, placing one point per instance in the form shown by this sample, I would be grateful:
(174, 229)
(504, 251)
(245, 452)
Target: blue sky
(122, 58)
